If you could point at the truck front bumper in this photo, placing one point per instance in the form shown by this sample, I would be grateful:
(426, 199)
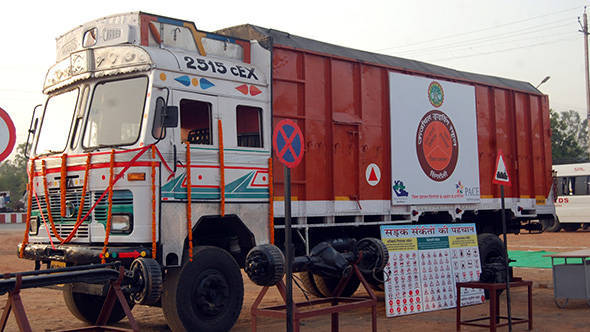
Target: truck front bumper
(78, 254)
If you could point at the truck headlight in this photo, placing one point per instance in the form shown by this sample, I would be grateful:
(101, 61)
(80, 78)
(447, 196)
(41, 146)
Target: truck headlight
(34, 225)
(121, 223)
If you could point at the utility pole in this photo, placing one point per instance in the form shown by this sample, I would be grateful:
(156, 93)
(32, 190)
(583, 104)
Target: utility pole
(584, 30)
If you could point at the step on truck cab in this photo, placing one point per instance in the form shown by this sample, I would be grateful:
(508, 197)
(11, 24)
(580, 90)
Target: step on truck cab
(154, 149)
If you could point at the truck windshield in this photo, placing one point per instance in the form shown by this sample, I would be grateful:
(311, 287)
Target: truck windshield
(115, 113)
(56, 122)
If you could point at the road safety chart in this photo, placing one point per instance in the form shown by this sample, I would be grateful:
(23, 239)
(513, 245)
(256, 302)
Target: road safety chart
(425, 263)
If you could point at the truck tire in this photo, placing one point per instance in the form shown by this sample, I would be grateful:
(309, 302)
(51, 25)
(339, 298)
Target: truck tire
(86, 307)
(326, 286)
(205, 294)
(551, 225)
(570, 227)
(306, 278)
(490, 248)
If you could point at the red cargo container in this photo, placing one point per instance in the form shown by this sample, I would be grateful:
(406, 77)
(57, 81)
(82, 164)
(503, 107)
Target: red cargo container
(340, 99)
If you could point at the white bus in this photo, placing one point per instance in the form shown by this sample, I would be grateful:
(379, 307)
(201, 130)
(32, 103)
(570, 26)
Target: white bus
(572, 186)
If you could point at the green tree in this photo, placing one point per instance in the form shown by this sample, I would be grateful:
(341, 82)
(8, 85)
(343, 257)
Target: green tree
(13, 177)
(569, 138)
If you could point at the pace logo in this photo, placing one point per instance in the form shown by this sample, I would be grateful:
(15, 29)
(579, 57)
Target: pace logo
(437, 145)
(399, 189)
(460, 187)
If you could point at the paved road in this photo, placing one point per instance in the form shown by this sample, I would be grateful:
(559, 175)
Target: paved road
(12, 227)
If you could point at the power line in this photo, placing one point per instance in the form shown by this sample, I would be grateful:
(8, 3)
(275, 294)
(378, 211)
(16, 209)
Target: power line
(505, 35)
(471, 46)
(480, 30)
(505, 50)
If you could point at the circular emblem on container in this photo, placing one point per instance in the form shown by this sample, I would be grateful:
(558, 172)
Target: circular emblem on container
(437, 145)
(436, 95)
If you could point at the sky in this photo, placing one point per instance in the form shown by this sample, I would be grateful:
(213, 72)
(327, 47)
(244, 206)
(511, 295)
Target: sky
(524, 40)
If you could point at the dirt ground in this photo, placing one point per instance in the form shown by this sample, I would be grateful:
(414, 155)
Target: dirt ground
(46, 309)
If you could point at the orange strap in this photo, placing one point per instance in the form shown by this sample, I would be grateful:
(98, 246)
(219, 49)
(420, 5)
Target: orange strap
(153, 202)
(271, 212)
(189, 226)
(48, 202)
(63, 183)
(221, 168)
(109, 211)
(30, 189)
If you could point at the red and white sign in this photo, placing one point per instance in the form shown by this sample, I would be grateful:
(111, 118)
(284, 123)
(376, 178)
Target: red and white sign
(373, 174)
(501, 174)
(7, 135)
(433, 141)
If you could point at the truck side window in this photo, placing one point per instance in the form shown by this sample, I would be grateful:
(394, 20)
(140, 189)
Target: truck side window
(195, 122)
(249, 126)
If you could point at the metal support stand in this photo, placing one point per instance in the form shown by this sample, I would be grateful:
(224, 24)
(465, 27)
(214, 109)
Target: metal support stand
(45, 278)
(337, 304)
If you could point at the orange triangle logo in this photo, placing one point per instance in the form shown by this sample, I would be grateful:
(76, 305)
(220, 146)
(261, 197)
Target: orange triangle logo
(373, 176)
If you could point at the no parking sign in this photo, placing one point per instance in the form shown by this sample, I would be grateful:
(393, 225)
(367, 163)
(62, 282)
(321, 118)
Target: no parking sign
(7, 135)
(288, 143)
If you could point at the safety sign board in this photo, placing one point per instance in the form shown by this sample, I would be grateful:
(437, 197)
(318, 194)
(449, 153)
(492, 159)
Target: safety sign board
(7, 135)
(434, 153)
(501, 174)
(425, 263)
(288, 143)
(373, 174)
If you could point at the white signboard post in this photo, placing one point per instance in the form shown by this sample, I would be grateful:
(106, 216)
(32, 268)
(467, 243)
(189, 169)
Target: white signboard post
(425, 263)
(434, 157)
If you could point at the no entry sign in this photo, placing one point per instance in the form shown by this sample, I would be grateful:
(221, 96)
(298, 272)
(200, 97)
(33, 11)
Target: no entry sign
(288, 143)
(7, 135)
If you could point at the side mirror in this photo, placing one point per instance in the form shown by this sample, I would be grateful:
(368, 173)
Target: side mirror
(170, 117)
(165, 117)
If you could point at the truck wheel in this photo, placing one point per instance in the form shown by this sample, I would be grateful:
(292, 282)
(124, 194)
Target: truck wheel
(265, 265)
(570, 227)
(551, 225)
(326, 286)
(205, 294)
(147, 276)
(309, 284)
(86, 307)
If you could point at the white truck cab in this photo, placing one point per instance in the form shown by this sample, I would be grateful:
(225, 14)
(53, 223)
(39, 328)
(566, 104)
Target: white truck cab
(146, 119)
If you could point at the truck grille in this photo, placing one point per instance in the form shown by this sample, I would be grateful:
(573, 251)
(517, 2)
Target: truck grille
(122, 203)
(65, 229)
(65, 225)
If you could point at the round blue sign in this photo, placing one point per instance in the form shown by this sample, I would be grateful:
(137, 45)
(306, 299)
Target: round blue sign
(288, 143)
